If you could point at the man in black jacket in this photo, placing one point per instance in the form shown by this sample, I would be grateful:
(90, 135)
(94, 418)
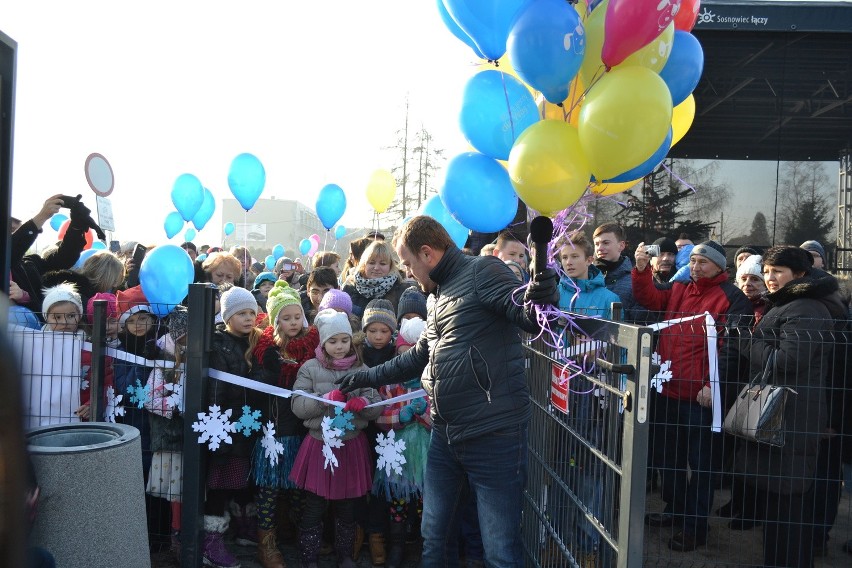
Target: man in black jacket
(474, 374)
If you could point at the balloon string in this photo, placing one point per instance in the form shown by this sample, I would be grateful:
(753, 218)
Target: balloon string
(677, 177)
(597, 77)
(508, 105)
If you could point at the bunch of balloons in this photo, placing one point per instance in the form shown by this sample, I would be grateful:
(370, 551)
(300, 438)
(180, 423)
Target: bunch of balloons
(614, 80)
(310, 245)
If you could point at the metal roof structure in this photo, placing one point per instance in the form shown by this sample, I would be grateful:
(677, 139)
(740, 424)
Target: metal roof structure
(777, 83)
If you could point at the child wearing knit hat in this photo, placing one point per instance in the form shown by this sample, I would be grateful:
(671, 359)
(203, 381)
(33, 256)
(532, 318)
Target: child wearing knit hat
(62, 308)
(412, 318)
(284, 346)
(379, 326)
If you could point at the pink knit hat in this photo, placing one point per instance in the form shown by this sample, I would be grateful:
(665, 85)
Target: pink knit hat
(336, 300)
(111, 307)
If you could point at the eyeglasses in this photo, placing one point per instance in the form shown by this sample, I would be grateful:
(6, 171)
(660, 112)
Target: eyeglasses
(64, 317)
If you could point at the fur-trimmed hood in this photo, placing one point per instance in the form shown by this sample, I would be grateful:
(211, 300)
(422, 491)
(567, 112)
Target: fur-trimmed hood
(816, 285)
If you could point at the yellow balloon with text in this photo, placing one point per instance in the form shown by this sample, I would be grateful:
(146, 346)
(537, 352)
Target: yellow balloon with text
(547, 167)
(612, 188)
(381, 190)
(625, 118)
(653, 56)
(682, 117)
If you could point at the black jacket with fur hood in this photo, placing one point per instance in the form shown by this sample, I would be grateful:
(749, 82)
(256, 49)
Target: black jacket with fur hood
(805, 319)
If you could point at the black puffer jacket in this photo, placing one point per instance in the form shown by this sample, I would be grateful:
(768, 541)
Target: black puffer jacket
(802, 325)
(471, 349)
(228, 354)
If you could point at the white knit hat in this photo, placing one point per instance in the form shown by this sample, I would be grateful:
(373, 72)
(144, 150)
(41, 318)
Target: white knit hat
(330, 323)
(64, 292)
(751, 265)
(236, 300)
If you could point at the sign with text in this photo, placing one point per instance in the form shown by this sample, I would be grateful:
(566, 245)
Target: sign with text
(559, 388)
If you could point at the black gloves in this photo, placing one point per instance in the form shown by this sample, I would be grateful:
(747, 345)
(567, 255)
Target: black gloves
(81, 217)
(543, 288)
(356, 380)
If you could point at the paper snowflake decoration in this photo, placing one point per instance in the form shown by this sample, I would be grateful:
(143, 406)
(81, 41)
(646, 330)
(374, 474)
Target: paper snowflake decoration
(248, 422)
(389, 450)
(139, 394)
(331, 438)
(174, 400)
(112, 405)
(214, 427)
(342, 420)
(665, 374)
(84, 382)
(272, 448)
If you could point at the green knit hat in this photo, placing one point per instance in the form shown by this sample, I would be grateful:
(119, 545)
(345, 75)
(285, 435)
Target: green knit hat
(280, 296)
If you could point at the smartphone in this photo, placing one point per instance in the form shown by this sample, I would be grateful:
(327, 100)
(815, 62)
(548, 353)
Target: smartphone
(115, 246)
(138, 256)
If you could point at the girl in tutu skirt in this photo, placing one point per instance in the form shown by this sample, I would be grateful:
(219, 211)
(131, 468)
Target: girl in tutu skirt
(350, 478)
(281, 351)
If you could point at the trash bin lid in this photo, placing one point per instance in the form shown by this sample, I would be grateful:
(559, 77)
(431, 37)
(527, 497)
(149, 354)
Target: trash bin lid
(79, 437)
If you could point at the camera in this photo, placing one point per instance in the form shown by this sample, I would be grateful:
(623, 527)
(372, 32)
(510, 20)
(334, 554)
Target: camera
(288, 266)
(652, 250)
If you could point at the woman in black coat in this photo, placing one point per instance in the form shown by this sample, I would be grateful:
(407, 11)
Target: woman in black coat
(806, 312)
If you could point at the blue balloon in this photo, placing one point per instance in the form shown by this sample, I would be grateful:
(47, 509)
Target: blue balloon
(23, 316)
(173, 224)
(331, 204)
(648, 165)
(205, 212)
(304, 246)
(546, 46)
(201, 257)
(270, 262)
(478, 193)
(246, 179)
(456, 30)
(84, 256)
(187, 195)
(57, 220)
(165, 276)
(98, 245)
(684, 67)
(340, 232)
(496, 108)
(229, 228)
(435, 208)
(277, 251)
(487, 22)
(189, 234)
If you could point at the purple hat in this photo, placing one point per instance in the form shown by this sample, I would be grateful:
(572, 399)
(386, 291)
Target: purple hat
(336, 300)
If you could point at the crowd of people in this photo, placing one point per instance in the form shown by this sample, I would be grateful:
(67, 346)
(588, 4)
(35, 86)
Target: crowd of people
(416, 312)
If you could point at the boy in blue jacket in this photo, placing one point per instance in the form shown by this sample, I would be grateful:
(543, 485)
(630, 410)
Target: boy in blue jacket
(582, 288)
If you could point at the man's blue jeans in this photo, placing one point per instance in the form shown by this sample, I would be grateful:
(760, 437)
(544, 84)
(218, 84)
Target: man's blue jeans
(495, 467)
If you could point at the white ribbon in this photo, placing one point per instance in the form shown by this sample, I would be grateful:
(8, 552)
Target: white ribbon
(713, 360)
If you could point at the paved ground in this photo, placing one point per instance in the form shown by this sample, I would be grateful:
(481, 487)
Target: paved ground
(725, 548)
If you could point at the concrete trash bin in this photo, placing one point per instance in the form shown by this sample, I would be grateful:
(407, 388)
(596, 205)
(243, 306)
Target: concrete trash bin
(91, 510)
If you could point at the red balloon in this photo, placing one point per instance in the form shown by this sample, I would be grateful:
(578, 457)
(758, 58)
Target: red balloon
(687, 15)
(90, 234)
(633, 24)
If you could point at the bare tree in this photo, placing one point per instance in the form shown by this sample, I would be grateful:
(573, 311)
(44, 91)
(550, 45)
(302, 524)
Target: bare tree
(805, 192)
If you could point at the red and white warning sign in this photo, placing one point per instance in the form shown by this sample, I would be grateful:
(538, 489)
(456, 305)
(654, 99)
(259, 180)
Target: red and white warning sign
(559, 388)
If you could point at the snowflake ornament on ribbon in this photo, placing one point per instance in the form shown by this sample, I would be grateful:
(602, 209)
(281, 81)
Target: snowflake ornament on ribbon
(665, 374)
(214, 427)
(389, 450)
(342, 420)
(248, 422)
(112, 405)
(175, 398)
(139, 394)
(84, 384)
(331, 438)
(272, 448)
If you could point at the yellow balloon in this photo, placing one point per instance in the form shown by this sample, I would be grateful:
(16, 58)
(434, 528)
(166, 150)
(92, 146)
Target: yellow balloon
(653, 56)
(610, 188)
(547, 167)
(682, 117)
(624, 119)
(569, 111)
(381, 190)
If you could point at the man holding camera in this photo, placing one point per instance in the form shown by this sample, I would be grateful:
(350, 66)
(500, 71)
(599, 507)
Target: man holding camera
(682, 406)
(663, 253)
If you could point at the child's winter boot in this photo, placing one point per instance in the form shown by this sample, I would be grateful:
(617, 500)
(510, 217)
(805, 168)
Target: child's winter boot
(309, 546)
(214, 551)
(268, 553)
(344, 543)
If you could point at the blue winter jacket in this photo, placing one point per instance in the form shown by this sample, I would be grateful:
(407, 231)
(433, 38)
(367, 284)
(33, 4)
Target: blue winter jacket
(618, 281)
(594, 298)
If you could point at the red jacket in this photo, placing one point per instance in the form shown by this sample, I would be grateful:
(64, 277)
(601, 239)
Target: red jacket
(685, 344)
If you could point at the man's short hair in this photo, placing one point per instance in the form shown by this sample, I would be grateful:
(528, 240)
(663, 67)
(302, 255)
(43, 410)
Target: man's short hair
(578, 240)
(488, 250)
(326, 258)
(423, 230)
(613, 228)
(189, 245)
(375, 235)
(322, 276)
(505, 237)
